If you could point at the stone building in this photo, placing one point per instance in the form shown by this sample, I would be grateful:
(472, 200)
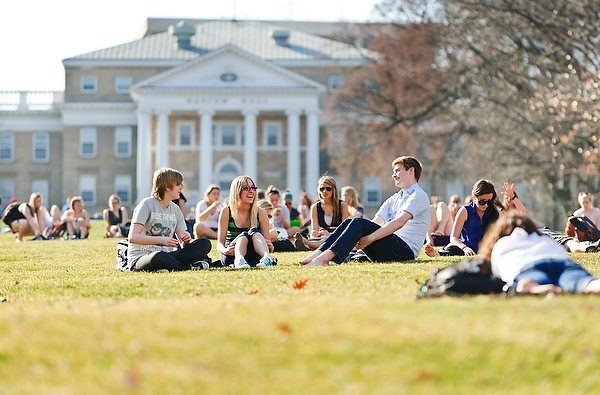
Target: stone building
(212, 98)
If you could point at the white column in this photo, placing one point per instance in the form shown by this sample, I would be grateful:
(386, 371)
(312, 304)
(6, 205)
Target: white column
(250, 143)
(293, 152)
(162, 139)
(205, 164)
(312, 149)
(143, 161)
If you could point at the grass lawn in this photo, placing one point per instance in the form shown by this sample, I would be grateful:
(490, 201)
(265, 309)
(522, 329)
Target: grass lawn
(72, 324)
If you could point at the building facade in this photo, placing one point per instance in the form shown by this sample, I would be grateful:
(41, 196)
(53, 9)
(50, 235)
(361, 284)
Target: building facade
(213, 99)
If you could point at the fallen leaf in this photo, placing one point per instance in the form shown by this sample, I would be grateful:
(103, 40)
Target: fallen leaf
(300, 283)
(284, 329)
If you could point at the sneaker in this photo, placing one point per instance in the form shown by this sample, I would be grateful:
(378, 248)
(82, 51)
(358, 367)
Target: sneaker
(241, 264)
(266, 261)
(199, 265)
(593, 247)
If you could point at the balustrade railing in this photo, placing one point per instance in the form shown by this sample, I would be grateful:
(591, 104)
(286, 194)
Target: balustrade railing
(30, 100)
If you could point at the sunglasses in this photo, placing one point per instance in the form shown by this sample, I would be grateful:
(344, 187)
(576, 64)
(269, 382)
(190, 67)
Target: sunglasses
(247, 188)
(483, 202)
(270, 216)
(328, 189)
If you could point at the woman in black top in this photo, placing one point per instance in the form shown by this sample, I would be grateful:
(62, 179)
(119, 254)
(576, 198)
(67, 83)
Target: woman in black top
(326, 214)
(115, 218)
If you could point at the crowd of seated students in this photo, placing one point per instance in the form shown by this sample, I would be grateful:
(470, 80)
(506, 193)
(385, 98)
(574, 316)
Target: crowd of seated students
(246, 228)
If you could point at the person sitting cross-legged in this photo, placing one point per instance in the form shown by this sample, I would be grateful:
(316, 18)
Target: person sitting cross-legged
(155, 221)
(397, 231)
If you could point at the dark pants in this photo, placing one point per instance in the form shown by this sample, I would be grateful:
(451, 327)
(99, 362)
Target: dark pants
(251, 257)
(388, 249)
(178, 260)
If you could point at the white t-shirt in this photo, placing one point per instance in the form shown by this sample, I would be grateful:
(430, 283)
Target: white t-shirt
(513, 252)
(157, 221)
(212, 221)
(415, 201)
(277, 222)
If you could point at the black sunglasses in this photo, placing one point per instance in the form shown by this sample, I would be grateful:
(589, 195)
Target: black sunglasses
(247, 188)
(328, 189)
(483, 202)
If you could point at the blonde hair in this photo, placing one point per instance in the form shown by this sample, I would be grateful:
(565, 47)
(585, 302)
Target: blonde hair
(163, 179)
(265, 204)
(234, 198)
(353, 195)
(335, 195)
(31, 202)
(74, 200)
(110, 199)
(582, 195)
(208, 190)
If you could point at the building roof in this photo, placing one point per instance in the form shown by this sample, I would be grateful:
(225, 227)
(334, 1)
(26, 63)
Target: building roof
(254, 37)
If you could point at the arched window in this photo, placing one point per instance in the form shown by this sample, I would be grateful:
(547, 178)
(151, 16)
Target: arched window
(227, 170)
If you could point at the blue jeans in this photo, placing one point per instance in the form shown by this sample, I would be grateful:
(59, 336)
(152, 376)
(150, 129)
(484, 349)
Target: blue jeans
(567, 274)
(388, 249)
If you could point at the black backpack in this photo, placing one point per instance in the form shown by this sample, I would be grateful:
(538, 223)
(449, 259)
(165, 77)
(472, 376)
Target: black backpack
(467, 277)
(585, 229)
(10, 213)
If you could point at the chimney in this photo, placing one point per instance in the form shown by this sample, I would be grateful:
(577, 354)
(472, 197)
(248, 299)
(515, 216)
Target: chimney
(281, 37)
(183, 32)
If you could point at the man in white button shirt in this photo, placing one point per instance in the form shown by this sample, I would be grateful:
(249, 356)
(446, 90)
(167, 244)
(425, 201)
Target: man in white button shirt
(397, 231)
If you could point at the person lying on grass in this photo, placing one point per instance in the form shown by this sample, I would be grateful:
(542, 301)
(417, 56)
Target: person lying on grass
(397, 231)
(155, 220)
(532, 262)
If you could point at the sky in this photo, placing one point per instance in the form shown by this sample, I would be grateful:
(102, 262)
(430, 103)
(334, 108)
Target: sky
(36, 35)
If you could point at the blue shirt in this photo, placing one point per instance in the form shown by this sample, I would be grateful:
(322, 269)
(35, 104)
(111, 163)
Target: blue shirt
(473, 228)
(415, 201)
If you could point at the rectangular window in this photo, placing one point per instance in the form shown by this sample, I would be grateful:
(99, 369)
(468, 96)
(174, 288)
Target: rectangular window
(372, 191)
(88, 84)
(41, 147)
(7, 147)
(228, 135)
(185, 133)
(7, 190)
(272, 134)
(123, 141)
(123, 83)
(87, 189)
(41, 186)
(335, 81)
(123, 188)
(87, 142)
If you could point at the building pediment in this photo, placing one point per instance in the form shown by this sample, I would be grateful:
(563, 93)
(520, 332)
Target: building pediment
(229, 68)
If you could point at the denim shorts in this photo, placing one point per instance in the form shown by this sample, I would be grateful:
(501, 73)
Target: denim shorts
(565, 273)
